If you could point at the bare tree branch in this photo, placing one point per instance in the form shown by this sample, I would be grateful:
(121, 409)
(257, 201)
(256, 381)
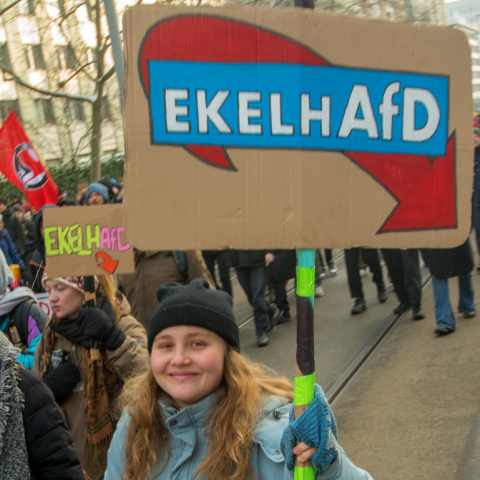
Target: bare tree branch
(9, 6)
(73, 96)
(74, 74)
(107, 75)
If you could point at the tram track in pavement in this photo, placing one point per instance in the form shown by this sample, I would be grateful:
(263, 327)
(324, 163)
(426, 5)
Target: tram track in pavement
(342, 381)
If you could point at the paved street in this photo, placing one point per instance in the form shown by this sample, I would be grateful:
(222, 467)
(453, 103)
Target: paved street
(412, 412)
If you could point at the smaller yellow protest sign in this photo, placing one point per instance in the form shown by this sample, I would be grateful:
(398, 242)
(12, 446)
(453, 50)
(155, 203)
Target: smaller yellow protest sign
(86, 241)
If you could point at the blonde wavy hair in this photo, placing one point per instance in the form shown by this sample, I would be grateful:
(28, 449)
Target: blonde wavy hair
(107, 286)
(230, 427)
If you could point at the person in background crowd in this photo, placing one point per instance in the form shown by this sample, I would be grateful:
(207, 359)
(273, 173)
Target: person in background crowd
(16, 200)
(62, 194)
(319, 291)
(81, 197)
(370, 256)
(332, 269)
(223, 260)
(152, 268)
(29, 229)
(202, 410)
(115, 192)
(8, 248)
(67, 202)
(476, 188)
(84, 388)
(97, 194)
(21, 318)
(252, 276)
(34, 438)
(445, 263)
(13, 226)
(28, 212)
(279, 271)
(37, 262)
(402, 269)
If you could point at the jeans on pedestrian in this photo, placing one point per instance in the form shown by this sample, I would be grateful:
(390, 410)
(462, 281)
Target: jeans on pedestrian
(444, 315)
(253, 282)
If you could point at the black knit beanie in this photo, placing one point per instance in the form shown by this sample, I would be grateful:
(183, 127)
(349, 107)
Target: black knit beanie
(194, 304)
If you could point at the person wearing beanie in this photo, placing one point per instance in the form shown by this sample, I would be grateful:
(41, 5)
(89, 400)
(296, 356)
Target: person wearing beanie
(97, 194)
(86, 387)
(203, 410)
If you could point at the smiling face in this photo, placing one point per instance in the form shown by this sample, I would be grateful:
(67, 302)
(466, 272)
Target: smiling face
(66, 301)
(188, 363)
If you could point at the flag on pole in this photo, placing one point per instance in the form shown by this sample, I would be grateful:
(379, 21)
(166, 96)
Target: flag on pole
(21, 165)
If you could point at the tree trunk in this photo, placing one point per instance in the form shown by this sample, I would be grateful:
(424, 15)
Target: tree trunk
(96, 169)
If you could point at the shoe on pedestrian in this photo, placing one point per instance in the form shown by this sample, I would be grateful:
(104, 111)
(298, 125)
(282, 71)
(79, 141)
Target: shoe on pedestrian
(402, 308)
(418, 314)
(470, 314)
(332, 269)
(359, 306)
(323, 273)
(382, 294)
(363, 272)
(478, 268)
(282, 317)
(319, 292)
(262, 340)
(271, 313)
(444, 330)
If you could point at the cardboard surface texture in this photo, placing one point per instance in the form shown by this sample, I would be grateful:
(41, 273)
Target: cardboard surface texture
(86, 241)
(261, 128)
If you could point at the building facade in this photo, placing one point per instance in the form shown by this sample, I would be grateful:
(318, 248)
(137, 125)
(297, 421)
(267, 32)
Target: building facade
(52, 46)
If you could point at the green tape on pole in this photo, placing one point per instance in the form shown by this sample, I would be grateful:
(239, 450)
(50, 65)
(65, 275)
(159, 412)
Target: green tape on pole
(304, 473)
(304, 389)
(305, 282)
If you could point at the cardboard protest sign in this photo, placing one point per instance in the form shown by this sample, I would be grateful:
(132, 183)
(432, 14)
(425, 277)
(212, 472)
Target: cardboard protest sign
(260, 128)
(86, 241)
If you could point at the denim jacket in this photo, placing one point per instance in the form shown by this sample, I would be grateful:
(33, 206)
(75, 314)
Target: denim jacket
(189, 446)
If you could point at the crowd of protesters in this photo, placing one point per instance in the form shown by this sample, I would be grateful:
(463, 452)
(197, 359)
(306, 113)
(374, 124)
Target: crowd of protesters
(150, 382)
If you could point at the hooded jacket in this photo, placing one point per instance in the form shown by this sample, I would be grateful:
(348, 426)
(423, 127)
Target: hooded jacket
(37, 262)
(15, 229)
(9, 250)
(127, 359)
(189, 445)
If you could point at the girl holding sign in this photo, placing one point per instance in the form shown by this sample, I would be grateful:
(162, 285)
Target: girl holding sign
(84, 386)
(204, 411)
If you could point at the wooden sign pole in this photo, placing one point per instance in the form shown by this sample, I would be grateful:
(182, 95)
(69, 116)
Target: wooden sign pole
(305, 359)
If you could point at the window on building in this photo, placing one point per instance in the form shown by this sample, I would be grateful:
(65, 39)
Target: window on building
(106, 114)
(75, 110)
(5, 56)
(44, 111)
(34, 57)
(6, 106)
(66, 57)
(476, 88)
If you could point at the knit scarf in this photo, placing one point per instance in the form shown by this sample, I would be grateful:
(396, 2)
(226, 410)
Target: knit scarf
(102, 384)
(13, 446)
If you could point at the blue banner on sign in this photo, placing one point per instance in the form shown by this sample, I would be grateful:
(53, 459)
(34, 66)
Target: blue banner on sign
(297, 106)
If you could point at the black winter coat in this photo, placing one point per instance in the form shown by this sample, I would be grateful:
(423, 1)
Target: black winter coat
(248, 258)
(51, 452)
(15, 229)
(449, 262)
(283, 267)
